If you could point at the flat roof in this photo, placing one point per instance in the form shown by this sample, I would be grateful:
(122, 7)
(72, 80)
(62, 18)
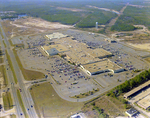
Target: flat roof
(79, 53)
(59, 47)
(101, 65)
(80, 58)
(98, 52)
(131, 111)
(145, 102)
(136, 89)
(56, 35)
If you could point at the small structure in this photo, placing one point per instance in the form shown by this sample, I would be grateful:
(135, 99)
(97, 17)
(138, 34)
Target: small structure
(131, 112)
(80, 115)
(96, 25)
(110, 40)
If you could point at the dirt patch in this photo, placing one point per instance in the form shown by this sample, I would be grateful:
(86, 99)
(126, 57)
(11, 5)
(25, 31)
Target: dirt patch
(30, 25)
(37, 22)
(145, 46)
(70, 9)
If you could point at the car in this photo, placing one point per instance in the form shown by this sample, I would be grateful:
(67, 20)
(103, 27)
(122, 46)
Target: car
(21, 114)
(31, 106)
(28, 109)
(0, 106)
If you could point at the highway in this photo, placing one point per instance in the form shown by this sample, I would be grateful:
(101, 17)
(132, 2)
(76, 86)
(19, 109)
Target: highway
(26, 97)
(11, 86)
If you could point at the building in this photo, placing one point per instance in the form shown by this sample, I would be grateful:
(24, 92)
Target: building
(110, 40)
(99, 53)
(91, 61)
(145, 102)
(101, 67)
(78, 115)
(56, 36)
(137, 89)
(54, 49)
(96, 25)
(131, 112)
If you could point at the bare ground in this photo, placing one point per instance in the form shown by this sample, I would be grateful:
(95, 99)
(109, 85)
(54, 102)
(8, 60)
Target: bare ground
(30, 25)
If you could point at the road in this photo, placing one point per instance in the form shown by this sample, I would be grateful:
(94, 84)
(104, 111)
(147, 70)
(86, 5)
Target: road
(11, 86)
(26, 97)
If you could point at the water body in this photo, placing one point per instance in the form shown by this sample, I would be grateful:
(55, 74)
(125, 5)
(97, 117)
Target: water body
(22, 15)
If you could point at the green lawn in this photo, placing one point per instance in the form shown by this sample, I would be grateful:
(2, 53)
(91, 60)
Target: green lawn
(8, 103)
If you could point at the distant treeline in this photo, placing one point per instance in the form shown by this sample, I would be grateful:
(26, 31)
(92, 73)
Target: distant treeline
(102, 17)
(132, 16)
(130, 84)
(48, 11)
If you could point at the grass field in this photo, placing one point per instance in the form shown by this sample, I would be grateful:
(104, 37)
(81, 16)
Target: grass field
(11, 116)
(49, 104)
(21, 104)
(1, 60)
(1, 33)
(28, 74)
(8, 103)
(148, 59)
(110, 106)
(3, 71)
(4, 43)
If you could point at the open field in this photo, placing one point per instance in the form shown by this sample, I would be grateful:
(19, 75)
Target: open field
(110, 106)
(30, 26)
(49, 104)
(7, 99)
(145, 46)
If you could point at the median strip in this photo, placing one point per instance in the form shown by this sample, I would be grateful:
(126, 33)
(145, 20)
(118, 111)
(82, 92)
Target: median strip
(21, 103)
(11, 66)
(4, 43)
(1, 33)
(7, 99)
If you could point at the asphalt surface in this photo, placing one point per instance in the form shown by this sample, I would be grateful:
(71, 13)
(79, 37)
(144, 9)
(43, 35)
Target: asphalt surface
(26, 97)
